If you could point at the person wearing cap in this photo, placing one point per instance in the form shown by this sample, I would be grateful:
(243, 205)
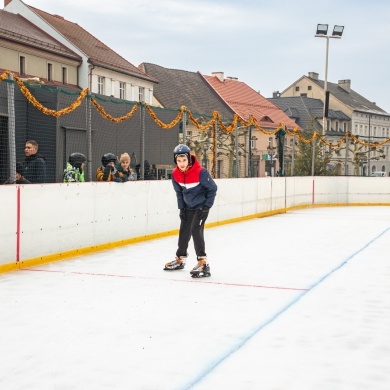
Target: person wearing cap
(195, 191)
(19, 178)
(74, 171)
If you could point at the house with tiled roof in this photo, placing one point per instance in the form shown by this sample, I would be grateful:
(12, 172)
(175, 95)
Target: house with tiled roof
(308, 114)
(26, 51)
(102, 70)
(367, 119)
(180, 87)
(201, 95)
(245, 101)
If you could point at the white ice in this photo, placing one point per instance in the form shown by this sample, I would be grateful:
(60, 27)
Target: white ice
(295, 301)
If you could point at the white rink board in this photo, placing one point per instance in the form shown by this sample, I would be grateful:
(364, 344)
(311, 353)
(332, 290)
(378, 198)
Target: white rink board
(8, 212)
(55, 218)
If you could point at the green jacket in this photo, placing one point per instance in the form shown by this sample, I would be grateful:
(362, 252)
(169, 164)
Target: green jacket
(72, 174)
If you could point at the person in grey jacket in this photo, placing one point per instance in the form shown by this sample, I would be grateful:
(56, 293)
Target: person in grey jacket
(195, 191)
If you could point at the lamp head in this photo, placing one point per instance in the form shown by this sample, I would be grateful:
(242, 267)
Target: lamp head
(322, 29)
(337, 31)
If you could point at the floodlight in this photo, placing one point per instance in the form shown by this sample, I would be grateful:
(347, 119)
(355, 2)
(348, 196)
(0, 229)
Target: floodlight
(322, 29)
(338, 31)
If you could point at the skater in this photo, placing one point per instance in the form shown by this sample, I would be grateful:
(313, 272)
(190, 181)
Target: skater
(195, 192)
(74, 171)
(108, 172)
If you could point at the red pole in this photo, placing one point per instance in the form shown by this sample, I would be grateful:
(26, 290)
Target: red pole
(18, 225)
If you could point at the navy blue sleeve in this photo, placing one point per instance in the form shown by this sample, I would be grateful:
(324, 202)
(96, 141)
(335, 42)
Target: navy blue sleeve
(210, 187)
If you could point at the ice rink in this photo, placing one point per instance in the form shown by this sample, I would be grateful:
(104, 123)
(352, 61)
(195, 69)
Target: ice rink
(298, 301)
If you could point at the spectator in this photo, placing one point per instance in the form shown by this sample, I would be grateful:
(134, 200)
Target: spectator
(34, 163)
(108, 172)
(124, 167)
(19, 176)
(74, 171)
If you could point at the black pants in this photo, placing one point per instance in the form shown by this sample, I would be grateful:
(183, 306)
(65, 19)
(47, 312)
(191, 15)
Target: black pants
(192, 225)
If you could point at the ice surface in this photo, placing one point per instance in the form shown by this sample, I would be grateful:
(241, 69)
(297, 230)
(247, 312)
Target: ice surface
(295, 301)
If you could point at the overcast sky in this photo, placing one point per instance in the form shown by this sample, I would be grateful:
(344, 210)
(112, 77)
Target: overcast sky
(266, 44)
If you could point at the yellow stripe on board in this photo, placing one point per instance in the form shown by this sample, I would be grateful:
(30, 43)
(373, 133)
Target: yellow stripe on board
(111, 245)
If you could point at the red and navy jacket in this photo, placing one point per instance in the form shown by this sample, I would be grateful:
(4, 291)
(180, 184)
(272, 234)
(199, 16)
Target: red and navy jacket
(195, 187)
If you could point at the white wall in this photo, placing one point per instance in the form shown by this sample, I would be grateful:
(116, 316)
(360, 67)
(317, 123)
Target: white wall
(56, 218)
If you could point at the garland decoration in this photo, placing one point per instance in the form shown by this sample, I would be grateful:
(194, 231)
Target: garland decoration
(46, 110)
(162, 124)
(213, 122)
(105, 115)
(4, 75)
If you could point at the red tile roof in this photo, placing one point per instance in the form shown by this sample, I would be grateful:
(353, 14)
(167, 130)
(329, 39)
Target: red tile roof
(99, 54)
(245, 102)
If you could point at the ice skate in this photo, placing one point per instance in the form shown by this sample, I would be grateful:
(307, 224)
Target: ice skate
(202, 269)
(178, 263)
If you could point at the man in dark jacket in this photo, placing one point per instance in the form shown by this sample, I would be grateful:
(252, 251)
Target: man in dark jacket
(34, 163)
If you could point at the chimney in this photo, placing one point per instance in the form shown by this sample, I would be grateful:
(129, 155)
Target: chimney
(6, 2)
(345, 85)
(313, 75)
(219, 75)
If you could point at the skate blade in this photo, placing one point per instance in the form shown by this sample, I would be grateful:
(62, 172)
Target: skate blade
(206, 275)
(172, 269)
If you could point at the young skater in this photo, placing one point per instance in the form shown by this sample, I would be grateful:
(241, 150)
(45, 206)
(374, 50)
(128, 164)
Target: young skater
(74, 171)
(108, 172)
(195, 192)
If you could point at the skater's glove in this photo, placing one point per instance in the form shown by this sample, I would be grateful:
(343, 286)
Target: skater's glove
(204, 212)
(183, 214)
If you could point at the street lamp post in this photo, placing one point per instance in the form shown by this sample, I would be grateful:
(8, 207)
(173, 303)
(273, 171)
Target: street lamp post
(206, 146)
(322, 31)
(369, 145)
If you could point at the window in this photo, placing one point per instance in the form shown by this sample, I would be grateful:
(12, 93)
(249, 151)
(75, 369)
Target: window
(297, 89)
(49, 72)
(309, 88)
(22, 65)
(101, 85)
(345, 127)
(122, 91)
(253, 142)
(141, 94)
(64, 75)
(337, 126)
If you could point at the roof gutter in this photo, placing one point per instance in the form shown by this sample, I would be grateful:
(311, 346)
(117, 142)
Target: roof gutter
(119, 70)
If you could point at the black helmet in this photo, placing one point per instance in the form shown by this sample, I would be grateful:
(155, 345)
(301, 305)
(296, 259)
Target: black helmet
(181, 150)
(107, 158)
(76, 159)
